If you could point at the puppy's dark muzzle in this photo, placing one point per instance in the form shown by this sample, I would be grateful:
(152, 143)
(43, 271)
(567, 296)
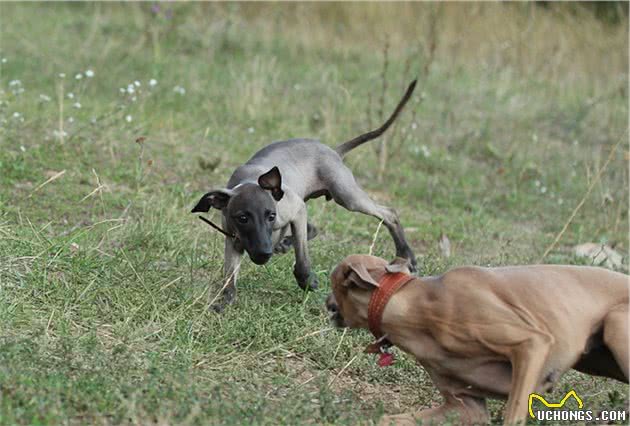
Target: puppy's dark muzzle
(333, 311)
(260, 258)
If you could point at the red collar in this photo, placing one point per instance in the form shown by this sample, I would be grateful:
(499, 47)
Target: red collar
(388, 285)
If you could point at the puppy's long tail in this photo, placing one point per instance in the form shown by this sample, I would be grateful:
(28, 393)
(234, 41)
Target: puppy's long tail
(346, 147)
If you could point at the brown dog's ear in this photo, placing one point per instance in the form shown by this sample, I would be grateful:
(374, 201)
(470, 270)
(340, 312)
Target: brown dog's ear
(359, 275)
(398, 265)
(217, 199)
(272, 181)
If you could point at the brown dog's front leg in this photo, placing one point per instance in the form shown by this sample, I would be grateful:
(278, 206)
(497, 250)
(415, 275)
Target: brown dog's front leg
(528, 361)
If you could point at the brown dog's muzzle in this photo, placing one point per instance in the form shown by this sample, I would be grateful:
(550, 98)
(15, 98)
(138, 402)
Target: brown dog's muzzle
(333, 310)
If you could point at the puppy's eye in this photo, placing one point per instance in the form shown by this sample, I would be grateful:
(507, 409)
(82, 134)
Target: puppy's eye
(242, 219)
(271, 217)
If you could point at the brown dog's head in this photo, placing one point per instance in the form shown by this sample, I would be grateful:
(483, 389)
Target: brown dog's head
(352, 283)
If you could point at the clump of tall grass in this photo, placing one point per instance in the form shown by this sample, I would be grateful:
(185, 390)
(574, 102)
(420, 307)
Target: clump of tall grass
(562, 43)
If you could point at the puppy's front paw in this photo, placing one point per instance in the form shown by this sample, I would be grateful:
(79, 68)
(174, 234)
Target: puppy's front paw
(227, 298)
(218, 307)
(309, 283)
(313, 283)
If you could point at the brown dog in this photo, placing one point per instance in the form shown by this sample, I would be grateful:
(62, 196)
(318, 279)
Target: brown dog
(490, 332)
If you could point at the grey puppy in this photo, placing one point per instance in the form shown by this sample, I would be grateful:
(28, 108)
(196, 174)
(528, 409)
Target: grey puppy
(264, 203)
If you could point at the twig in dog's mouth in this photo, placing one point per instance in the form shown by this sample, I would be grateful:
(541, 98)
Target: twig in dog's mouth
(218, 228)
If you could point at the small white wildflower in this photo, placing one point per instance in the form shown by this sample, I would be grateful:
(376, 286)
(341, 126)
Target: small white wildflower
(70, 119)
(560, 201)
(137, 83)
(122, 90)
(537, 183)
(180, 90)
(59, 134)
(70, 95)
(16, 87)
(131, 89)
(250, 130)
(22, 148)
(414, 126)
(134, 99)
(79, 76)
(16, 115)
(152, 82)
(44, 98)
(425, 151)
(543, 189)
(128, 118)
(62, 75)
(89, 73)
(4, 60)
(77, 105)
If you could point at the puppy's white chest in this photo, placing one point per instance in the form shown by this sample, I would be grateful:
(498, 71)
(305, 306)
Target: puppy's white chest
(287, 210)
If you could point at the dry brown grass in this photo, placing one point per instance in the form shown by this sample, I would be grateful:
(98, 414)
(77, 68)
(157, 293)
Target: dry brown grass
(564, 43)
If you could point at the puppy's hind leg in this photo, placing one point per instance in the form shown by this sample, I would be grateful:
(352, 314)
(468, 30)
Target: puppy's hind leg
(616, 333)
(347, 193)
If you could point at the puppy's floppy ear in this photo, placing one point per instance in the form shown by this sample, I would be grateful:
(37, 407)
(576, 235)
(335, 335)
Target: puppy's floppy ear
(359, 275)
(398, 265)
(272, 181)
(218, 199)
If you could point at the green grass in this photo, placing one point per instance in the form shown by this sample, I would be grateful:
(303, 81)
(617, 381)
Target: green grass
(105, 277)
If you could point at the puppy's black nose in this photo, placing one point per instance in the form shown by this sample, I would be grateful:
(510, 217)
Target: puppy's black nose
(261, 258)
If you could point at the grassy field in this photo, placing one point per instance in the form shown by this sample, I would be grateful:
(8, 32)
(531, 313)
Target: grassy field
(115, 119)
